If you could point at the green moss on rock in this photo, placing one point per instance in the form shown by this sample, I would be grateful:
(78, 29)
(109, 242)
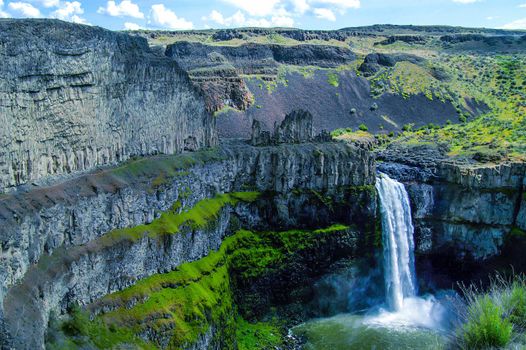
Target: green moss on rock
(258, 335)
(175, 309)
(171, 221)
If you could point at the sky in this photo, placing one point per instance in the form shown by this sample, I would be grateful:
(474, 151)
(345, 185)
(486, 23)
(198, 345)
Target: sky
(306, 14)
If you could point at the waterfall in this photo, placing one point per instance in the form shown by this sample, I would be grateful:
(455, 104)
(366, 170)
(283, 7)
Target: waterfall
(397, 230)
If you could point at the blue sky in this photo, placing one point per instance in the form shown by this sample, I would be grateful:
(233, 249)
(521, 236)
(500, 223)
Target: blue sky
(308, 14)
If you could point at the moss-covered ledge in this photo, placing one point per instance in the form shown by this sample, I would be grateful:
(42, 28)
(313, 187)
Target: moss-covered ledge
(200, 301)
(118, 259)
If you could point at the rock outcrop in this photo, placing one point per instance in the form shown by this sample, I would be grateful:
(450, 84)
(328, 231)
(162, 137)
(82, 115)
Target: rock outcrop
(74, 97)
(295, 128)
(374, 61)
(409, 39)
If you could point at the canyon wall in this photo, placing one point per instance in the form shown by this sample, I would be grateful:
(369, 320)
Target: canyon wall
(466, 214)
(74, 97)
(55, 248)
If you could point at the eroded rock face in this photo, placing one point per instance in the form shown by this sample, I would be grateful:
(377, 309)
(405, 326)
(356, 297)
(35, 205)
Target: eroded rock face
(218, 70)
(257, 58)
(463, 210)
(64, 223)
(295, 128)
(75, 97)
(348, 105)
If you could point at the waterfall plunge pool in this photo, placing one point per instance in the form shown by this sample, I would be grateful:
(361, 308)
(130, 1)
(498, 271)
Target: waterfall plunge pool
(405, 320)
(352, 332)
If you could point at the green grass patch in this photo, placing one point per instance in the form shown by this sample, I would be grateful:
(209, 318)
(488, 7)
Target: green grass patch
(170, 165)
(259, 335)
(80, 332)
(362, 135)
(183, 304)
(486, 326)
(497, 81)
(171, 221)
(333, 79)
(495, 317)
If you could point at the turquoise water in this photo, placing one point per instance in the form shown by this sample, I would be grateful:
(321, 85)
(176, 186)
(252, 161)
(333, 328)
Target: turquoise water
(349, 332)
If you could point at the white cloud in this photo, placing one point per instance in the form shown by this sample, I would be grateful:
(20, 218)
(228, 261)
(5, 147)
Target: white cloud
(465, 1)
(343, 4)
(522, 5)
(2, 13)
(258, 8)
(322, 13)
(282, 21)
(132, 26)
(518, 24)
(51, 3)
(69, 11)
(25, 9)
(215, 16)
(167, 18)
(124, 8)
(238, 19)
(300, 6)
(266, 13)
(47, 3)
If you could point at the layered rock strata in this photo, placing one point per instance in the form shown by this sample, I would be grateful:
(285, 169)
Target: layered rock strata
(74, 97)
(54, 250)
(219, 70)
(464, 210)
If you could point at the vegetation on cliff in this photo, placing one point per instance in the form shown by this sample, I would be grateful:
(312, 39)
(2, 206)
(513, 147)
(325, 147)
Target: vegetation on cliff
(469, 82)
(202, 214)
(178, 308)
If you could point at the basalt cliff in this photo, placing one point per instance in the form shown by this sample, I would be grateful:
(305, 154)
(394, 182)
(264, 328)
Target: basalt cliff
(77, 97)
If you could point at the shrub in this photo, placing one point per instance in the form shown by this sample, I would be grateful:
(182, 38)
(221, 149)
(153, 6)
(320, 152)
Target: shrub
(486, 327)
(408, 127)
(363, 127)
(333, 79)
(515, 304)
(494, 317)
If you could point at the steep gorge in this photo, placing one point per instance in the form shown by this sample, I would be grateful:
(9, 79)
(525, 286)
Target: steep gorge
(307, 185)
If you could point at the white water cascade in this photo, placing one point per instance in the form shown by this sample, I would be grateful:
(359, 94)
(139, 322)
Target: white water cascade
(399, 261)
(405, 308)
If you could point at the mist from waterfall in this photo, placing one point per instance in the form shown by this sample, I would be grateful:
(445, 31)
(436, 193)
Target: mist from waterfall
(398, 243)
